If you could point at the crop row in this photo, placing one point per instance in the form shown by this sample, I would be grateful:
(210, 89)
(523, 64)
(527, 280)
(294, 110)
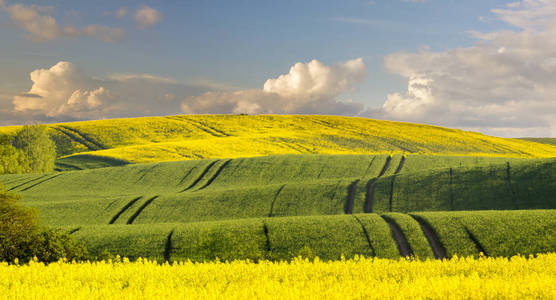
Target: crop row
(495, 233)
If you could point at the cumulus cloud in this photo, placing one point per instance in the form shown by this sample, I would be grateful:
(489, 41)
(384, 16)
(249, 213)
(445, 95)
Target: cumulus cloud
(147, 16)
(61, 90)
(503, 85)
(308, 88)
(41, 26)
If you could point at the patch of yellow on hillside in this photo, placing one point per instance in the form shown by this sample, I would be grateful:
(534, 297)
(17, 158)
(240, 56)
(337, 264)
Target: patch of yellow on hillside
(150, 139)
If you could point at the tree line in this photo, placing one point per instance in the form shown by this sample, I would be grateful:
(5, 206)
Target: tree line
(31, 150)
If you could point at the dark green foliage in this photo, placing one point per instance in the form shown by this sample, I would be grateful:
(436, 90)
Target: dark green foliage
(13, 160)
(21, 237)
(38, 149)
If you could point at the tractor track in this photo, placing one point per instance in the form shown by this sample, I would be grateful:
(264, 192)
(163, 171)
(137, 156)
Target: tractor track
(399, 237)
(398, 170)
(478, 244)
(35, 184)
(371, 189)
(140, 209)
(123, 209)
(366, 235)
(205, 171)
(224, 165)
(168, 246)
(270, 214)
(437, 247)
(27, 182)
(351, 197)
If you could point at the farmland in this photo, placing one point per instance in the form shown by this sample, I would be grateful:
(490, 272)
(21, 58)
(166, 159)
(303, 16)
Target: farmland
(363, 187)
(361, 278)
(153, 139)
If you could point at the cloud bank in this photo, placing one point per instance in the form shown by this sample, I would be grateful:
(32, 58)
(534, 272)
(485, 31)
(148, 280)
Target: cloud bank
(147, 17)
(41, 26)
(308, 88)
(503, 85)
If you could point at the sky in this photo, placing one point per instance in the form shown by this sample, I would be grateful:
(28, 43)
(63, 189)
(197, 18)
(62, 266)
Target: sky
(487, 66)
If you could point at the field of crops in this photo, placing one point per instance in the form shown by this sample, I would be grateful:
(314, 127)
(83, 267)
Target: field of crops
(361, 278)
(173, 138)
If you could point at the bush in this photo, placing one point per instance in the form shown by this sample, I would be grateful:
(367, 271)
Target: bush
(22, 238)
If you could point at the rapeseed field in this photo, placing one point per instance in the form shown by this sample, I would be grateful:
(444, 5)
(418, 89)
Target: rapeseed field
(360, 278)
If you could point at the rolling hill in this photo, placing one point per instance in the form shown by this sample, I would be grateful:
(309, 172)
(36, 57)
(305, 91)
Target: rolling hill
(153, 139)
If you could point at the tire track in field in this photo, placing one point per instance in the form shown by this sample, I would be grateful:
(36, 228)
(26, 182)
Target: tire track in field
(371, 190)
(437, 247)
(399, 237)
(205, 171)
(224, 165)
(478, 244)
(35, 184)
(74, 230)
(168, 246)
(366, 235)
(140, 210)
(86, 137)
(74, 138)
(126, 207)
(348, 209)
(27, 182)
(509, 179)
(398, 170)
(204, 127)
(267, 244)
(270, 214)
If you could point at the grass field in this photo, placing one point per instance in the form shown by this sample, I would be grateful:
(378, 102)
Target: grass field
(340, 187)
(152, 139)
(494, 233)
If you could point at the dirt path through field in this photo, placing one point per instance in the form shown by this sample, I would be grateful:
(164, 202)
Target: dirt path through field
(399, 237)
(437, 247)
(126, 207)
(371, 190)
(138, 212)
(205, 171)
(366, 234)
(398, 170)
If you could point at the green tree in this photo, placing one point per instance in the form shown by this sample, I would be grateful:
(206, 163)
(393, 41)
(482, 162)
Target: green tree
(38, 148)
(21, 236)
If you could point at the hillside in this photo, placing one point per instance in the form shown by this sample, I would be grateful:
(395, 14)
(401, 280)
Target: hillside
(152, 139)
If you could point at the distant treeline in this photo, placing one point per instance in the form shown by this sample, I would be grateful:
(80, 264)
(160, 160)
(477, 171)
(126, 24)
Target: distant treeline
(31, 150)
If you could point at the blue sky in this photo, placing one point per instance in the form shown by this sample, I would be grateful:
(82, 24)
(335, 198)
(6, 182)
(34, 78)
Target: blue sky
(195, 53)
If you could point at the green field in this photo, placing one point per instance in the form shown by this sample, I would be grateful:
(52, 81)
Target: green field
(381, 193)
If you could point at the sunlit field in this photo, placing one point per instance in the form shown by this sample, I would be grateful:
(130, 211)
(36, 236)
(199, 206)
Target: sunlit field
(458, 278)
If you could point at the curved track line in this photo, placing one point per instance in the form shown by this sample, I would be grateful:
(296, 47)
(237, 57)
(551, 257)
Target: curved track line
(437, 247)
(85, 137)
(351, 197)
(205, 171)
(371, 189)
(74, 230)
(34, 185)
(478, 244)
(168, 247)
(123, 209)
(399, 237)
(398, 170)
(138, 212)
(509, 178)
(267, 244)
(215, 174)
(27, 182)
(270, 214)
(366, 235)
(74, 138)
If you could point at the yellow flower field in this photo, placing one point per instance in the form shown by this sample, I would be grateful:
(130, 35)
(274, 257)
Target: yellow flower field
(361, 278)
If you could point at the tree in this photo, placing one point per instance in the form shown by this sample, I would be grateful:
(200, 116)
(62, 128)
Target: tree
(39, 149)
(21, 236)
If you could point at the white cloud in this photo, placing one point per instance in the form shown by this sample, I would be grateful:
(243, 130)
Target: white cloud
(308, 88)
(144, 76)
(147, 17)
(41, 26)
(120, 13)
(61, 90)
(503, 85)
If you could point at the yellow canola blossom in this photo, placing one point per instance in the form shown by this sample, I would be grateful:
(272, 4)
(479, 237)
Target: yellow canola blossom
(360, 278)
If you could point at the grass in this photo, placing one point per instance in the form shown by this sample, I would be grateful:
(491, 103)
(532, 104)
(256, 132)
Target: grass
(496, 233)
(153, 139)
(499, 233)
(287, 185)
